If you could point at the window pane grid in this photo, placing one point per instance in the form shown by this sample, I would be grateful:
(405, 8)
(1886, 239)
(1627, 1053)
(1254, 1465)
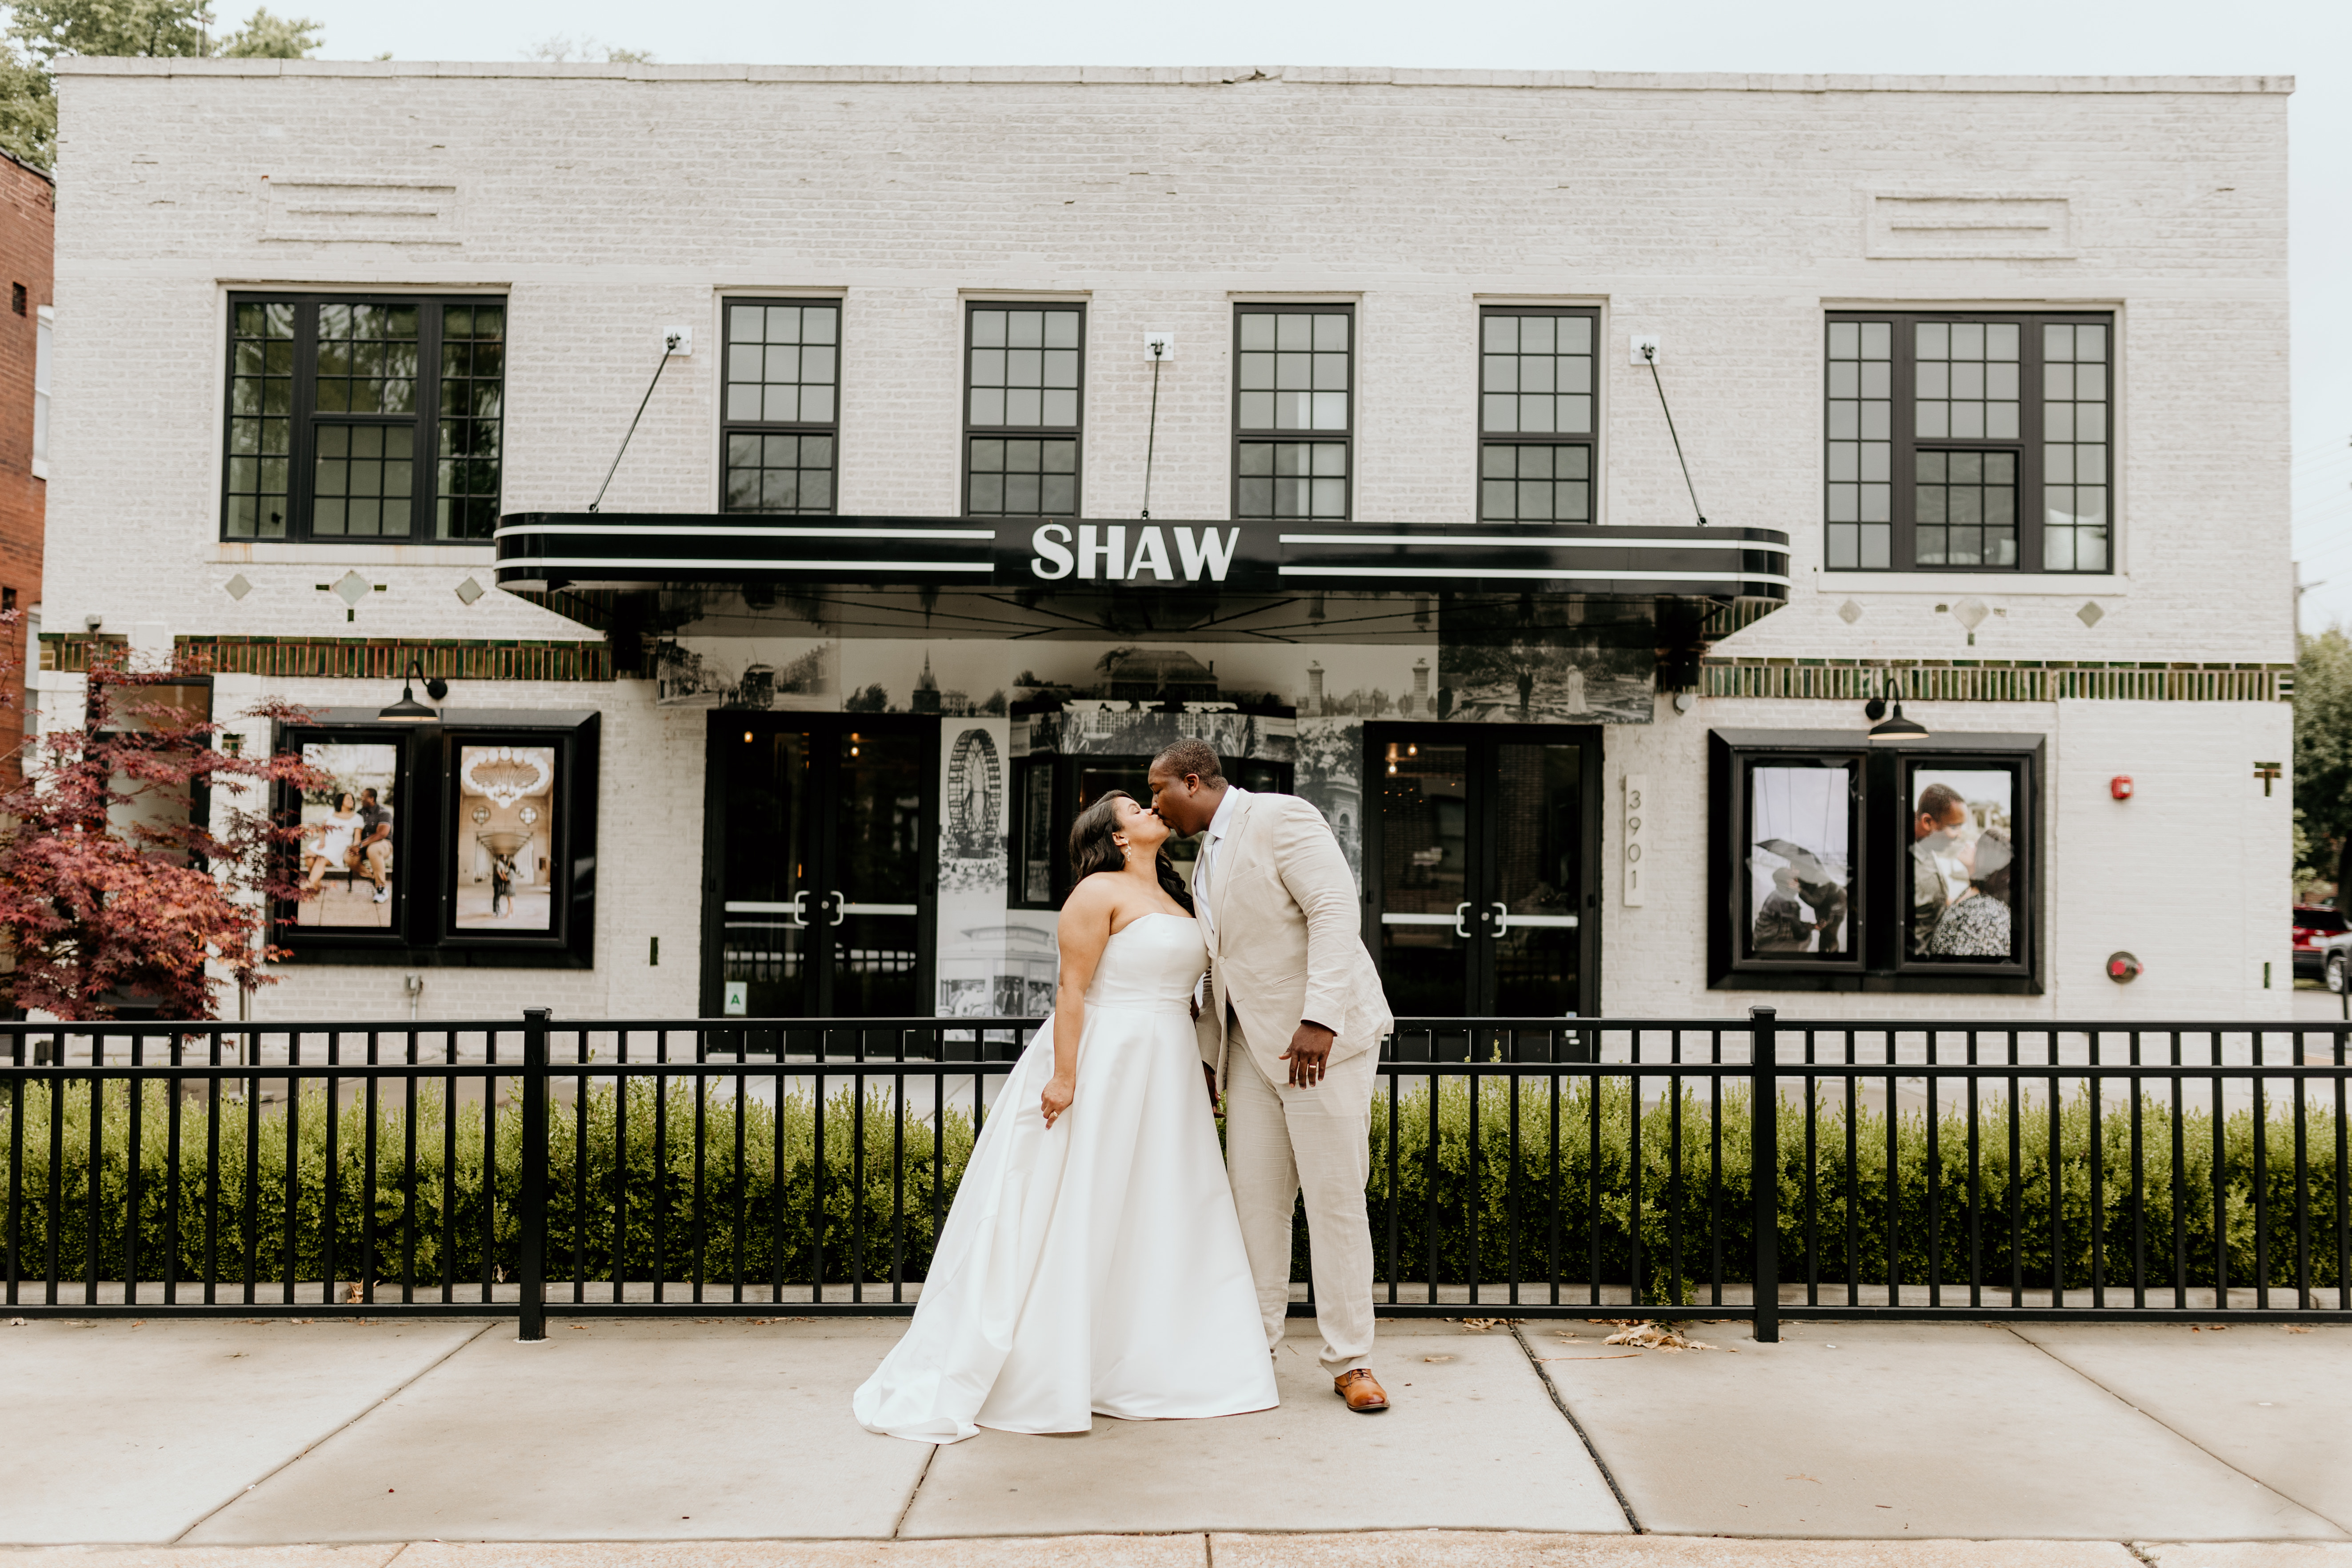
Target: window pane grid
(361, 481)
(1293, 372)
(1535, 482)
(2074, 461)
(367, 359)
(1307, 479)
(779, 473)
(260, 419)
(473, 409)
(1967, 509)
(360, 419)
(1991, 436)
(1023, 477)
(1860, 494)
(782, 368)
(1536, 374)
(1025, 369)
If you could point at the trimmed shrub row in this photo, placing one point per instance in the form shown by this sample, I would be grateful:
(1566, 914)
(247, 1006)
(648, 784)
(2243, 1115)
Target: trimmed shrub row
(1572, 1198)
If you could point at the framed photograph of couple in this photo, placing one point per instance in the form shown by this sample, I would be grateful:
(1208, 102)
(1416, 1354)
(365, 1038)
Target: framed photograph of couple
(348, 857)
(1837, 864)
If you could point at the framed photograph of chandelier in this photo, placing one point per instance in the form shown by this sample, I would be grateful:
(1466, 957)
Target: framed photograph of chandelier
(507, 833)
(520, 818)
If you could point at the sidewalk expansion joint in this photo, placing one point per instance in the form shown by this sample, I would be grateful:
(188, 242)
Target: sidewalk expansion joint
(907, 1507)
(1559, 1403)
(2177, 1432)
(339, 1429)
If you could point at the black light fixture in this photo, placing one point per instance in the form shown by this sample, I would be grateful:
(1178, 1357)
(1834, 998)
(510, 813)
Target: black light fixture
(1894, 727)
(408, 710)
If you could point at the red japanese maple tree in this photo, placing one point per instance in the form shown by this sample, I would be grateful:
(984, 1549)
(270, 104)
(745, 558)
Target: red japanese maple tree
(112, 891)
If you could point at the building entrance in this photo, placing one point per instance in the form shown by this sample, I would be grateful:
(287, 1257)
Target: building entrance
(819, 881)
(1481, 851)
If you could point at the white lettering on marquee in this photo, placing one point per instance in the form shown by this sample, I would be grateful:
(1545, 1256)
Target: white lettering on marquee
(1051, 542)
(1100, 552)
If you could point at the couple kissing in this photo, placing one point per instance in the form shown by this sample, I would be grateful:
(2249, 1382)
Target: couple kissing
(1102, 1257)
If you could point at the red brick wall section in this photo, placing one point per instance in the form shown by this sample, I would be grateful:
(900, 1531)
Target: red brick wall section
(27, 230)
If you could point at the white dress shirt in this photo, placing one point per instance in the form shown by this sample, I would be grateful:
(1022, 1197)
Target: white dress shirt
(1218, 825)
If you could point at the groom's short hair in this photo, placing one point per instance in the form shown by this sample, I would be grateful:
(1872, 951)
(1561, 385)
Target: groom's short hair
(1192, 756)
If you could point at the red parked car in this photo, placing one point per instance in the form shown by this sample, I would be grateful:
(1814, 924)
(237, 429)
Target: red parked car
(2316, 956)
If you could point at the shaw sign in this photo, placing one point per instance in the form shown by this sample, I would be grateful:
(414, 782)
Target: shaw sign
(1100, 553)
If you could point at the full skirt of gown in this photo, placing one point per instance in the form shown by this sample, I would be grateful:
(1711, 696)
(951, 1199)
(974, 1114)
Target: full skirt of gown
(1094, 1267)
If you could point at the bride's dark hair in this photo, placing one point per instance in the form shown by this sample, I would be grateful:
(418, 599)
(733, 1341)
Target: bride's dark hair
(1091, 849)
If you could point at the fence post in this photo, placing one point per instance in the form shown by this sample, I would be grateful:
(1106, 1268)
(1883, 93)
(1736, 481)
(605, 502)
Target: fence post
(1764, 1168)
(530, 1262)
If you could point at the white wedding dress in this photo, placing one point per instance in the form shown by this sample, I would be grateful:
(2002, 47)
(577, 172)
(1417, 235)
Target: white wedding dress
(1095, 1268)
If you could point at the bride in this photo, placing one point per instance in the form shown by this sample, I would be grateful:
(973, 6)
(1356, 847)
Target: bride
(1092, 1263)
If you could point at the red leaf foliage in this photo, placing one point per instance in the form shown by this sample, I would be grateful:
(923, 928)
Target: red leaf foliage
(111, 891)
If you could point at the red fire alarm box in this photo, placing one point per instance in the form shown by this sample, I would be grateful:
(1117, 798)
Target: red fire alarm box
(2120, 786)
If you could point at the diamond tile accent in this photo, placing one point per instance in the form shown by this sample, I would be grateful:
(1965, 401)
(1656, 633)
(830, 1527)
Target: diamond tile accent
(237, 586)
(1849, 612)
(351, 588)
(2090, 615)
(468, 591)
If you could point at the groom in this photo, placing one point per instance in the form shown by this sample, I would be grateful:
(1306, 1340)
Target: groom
(1292, 1032)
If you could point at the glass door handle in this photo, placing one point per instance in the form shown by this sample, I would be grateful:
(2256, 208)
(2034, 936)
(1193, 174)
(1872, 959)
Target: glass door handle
(1502, 917)
(1460, 912)
(800, 908)
(840, 907)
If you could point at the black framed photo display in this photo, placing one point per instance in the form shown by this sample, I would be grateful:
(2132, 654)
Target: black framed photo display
(470, 840)
(1836, 864)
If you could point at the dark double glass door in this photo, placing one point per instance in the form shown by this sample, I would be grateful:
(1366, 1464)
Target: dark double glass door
(819, 858)
(1482, 846)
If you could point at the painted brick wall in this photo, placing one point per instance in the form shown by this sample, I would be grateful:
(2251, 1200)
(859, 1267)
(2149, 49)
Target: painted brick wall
(27, 226)
(1723, 212)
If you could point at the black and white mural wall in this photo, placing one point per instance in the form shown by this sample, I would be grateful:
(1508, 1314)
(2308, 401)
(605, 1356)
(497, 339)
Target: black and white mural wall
(777, 673)
(1527, 661)
(992, 962)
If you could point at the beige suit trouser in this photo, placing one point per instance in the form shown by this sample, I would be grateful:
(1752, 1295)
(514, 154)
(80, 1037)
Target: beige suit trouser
(1281, 1141)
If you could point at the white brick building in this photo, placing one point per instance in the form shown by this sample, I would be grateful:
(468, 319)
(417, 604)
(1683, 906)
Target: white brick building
(1876, 302)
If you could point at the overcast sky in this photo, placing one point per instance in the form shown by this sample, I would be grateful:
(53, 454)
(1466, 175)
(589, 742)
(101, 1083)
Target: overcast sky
(2308, 40)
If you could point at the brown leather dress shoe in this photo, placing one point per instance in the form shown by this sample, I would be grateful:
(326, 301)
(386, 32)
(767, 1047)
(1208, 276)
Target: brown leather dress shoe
(1361, 1390)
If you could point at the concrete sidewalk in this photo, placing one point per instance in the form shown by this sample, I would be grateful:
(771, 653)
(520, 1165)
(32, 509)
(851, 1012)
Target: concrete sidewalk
(690, 1442)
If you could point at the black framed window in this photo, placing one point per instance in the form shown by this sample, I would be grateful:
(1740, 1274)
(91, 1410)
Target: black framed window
(1538, 413)
(364, 418)
(1025, 402)
(781, 413)
(1969, 441)
(1837, 865)
(1293, 410)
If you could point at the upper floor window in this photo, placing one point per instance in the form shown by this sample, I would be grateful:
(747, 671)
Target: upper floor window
(366, 419)
(1969, 441)
(1023, 399)
(781, 419)
(1293, 410)
(1536, 413)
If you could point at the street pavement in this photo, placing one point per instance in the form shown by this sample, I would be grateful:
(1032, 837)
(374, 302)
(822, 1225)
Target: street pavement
(715, 1444)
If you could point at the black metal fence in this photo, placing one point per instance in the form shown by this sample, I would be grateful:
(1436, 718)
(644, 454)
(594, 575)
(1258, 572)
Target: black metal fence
(1601, 1168)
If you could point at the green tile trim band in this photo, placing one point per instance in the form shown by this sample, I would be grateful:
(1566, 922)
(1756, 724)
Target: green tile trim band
(1995, 681)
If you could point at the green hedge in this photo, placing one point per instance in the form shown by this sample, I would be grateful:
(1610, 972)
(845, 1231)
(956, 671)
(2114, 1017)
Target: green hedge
(1591, 1199)
(434, 1203)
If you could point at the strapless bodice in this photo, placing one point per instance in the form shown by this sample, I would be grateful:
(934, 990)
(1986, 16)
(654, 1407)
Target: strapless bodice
(1153, 962)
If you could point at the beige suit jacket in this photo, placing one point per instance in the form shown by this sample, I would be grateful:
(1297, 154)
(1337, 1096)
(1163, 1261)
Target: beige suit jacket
(1286, 941)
